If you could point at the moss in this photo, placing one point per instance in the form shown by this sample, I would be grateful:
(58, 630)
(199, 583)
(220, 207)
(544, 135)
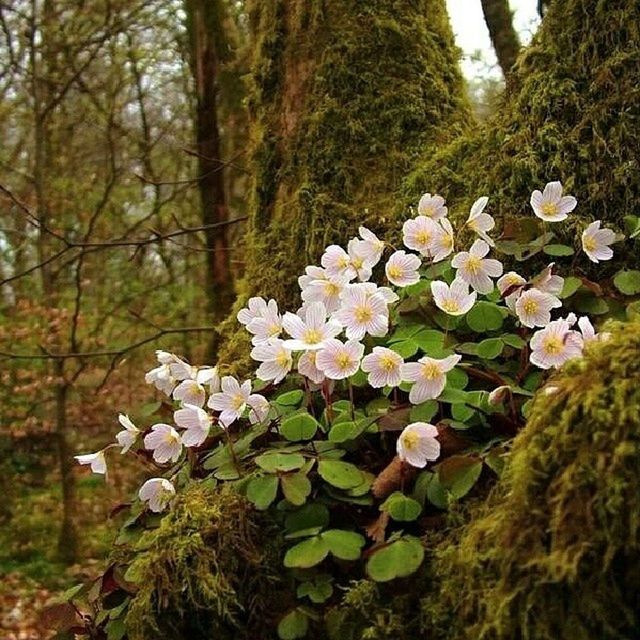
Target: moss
(209, 570)
(571, 114)
(345, 97)
(555, 551)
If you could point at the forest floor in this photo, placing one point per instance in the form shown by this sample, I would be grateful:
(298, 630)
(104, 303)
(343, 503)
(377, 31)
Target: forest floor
(31, 577)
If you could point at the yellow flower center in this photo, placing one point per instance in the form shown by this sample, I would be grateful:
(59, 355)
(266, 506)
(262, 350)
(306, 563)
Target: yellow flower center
(450, 306)
(423, 237)
(331, 289)
(273, 330)
(363, 314)
(172, 437)
(410, 440)
(512, 280)
(447, 241)
(312, 336)
(589, 244)
(473, 264)
(343, 361)
(530, 306)
(283, 359)
(238, 402)
(387, 362)
(343, 262)
(357, 262)
(431, 371)
(395, 271)
(552, 345)
(550, 209)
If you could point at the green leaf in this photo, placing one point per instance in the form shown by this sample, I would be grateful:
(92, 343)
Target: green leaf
(396, 560)
(262, 491)
(627, 282)
(458, 474)
(342, 475)
(570, 286)
(436, 493)
(149, 409)
(299, 426)
(453, 396)
(290, 398)
(424, 412)
(406, 348)
(590, 304)
(318, 590)
(484, 316)
(429, 340)
(490, 348)
(401, 508)
(513, 340)
(558, 250)
(307, 553)
(296, 488)
(461, 412)
(345, 545)
(344, 431)
(273, 461)
(313, 514)
(294, 625)
(457, 378)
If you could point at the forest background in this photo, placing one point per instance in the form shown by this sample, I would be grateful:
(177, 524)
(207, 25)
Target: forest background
(126, 178)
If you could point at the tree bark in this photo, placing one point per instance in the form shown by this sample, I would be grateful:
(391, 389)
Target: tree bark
(344, 97)
(504, 38)
(206, 44)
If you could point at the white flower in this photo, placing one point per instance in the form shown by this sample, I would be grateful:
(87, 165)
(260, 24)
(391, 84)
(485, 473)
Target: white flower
(266, 326)
(326, 290)
(429, 375)
(499, 394)
(388, 295)
(533, 307)
(354, 263)
(453, 299)
(161, 379)
(165, 442)
(548, 282)
(255, 308)
(555, 344)
(596, 241)
(307, 367)
(419, 234)
(418, 444)
(339, 360)
(312, 330)
(551, 205)
(181, 370)
(432, 206)
(589, 333)
(362, 312)
(511, 282)
(402, 269)
(474, 268)
(127, 437)
(234, 399)
(275, 358)
(158, 492)
(190, 392)
(97, 461)
(442, 243)
(372, 247)
(481, 222)
(210, 377)
(165, 357)
(311, 273)
(196, 422)
(384, 367)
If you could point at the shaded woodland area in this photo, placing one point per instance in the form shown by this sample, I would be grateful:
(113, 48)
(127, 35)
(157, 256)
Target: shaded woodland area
(163, 162)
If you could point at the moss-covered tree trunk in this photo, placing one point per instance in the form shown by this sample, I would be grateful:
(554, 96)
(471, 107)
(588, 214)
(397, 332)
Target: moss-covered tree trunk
(571, 114)
(346, 97)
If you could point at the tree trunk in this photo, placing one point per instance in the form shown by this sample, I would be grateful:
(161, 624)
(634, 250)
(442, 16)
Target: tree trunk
(504, 38)
(571, 115)
(206, 48)
(345, 96)
(43, 63)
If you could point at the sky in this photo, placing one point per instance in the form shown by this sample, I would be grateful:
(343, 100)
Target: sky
(472, 35)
